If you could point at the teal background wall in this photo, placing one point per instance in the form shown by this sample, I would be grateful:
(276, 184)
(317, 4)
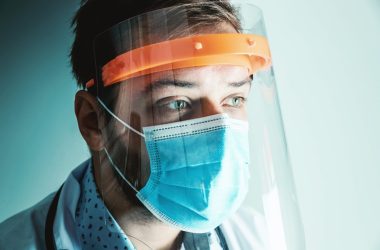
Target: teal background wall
(327, 63)
(39, 139)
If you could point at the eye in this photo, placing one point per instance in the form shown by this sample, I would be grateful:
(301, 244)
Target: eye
(173, 104)
(178, 105)
(235, 101)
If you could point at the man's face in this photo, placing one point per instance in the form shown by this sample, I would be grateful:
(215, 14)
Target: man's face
(167, 97)
(183, 94)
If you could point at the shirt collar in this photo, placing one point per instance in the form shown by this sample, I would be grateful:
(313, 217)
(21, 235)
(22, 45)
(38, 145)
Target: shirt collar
(95, 224)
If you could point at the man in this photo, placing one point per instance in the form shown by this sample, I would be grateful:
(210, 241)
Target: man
(164, 113)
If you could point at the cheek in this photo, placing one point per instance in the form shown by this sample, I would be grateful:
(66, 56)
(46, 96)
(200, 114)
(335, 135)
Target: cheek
(240, 114)
(129, 153)
(145, 165)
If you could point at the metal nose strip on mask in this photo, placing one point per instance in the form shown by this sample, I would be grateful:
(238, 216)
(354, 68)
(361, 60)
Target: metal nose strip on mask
(118, 119)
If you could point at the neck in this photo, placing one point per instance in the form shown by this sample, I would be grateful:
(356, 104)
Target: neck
(151, 234)
(141, 227)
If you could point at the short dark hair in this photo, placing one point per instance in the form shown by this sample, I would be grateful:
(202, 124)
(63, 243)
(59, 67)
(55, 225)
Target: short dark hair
(95, 16)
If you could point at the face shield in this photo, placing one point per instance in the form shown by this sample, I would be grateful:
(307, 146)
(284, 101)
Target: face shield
(192, 128)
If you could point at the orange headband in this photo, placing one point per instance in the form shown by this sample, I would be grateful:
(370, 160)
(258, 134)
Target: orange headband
(251, 51)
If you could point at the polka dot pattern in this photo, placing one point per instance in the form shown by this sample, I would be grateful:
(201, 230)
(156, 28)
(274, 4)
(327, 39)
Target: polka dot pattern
(96, 228)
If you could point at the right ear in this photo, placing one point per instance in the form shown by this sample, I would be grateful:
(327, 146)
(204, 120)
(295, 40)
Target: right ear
(88, 115)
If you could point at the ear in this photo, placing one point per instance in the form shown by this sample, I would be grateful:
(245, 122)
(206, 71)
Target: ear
(88, 116)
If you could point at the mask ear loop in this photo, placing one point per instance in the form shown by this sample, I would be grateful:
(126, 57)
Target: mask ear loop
(118, 171)
(106, 151)
(113, 229)
(118, 119)
(110, 158)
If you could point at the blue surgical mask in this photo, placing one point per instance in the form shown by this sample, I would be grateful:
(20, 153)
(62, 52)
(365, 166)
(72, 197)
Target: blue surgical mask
(198, 171)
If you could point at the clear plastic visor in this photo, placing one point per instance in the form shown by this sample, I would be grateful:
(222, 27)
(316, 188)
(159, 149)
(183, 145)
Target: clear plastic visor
(190, 103)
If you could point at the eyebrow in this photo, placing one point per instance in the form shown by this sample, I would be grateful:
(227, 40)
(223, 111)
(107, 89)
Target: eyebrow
(162, 83)
(241, 83)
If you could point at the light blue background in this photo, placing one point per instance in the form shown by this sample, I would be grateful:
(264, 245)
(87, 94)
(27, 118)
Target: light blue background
(327, 63)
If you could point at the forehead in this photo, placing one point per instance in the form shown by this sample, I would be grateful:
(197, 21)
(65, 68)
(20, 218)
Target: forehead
(221, 73)
(206, 77)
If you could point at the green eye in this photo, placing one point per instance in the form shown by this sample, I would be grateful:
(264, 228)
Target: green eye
(236, 101)
(178, 105)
